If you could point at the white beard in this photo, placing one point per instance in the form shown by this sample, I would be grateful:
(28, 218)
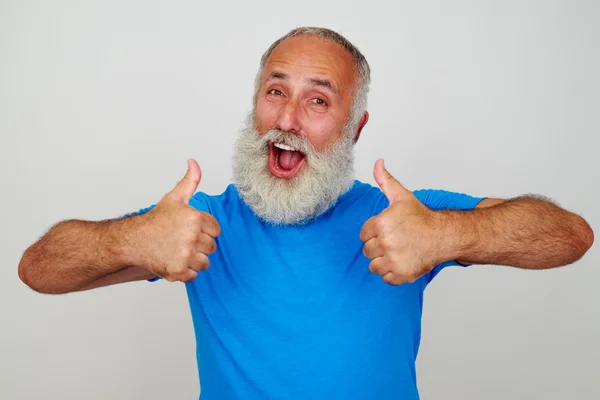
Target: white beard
(325, 177)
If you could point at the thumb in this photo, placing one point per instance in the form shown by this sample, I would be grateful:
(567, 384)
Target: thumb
(186, 187)
(393, 190)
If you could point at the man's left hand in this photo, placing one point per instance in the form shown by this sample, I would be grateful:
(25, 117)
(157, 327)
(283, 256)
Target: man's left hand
(404, 241)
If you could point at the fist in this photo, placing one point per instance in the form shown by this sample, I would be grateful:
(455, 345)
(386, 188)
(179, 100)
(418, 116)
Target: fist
(177, 238)
(401, 241)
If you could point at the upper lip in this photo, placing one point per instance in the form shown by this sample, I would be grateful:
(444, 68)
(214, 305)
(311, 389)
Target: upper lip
(284, 146)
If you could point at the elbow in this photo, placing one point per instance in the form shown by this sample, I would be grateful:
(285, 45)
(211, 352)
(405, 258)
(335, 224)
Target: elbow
(585, 237)
(25, 274)
(27, 277)
(30, 277)
(589, 237)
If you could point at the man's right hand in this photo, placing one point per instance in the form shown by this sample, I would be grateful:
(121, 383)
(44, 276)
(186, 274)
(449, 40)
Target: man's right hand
(175, 238)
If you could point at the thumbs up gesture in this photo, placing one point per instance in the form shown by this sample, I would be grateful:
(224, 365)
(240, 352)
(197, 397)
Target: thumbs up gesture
(175, 239)
(401, 241)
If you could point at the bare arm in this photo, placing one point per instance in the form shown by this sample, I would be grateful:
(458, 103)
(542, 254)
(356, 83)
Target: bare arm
(78, 255)
(407, 239)
(173, 240)
(127, 274)
(526, 232)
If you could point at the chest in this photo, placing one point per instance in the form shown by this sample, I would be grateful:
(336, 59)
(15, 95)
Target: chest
(302, 281)
(303, 307)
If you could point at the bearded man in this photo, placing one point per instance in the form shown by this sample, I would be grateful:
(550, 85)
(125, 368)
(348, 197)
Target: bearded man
(316, 280)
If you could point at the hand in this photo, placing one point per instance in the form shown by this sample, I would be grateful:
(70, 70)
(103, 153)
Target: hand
(177, 238)
(402, 241)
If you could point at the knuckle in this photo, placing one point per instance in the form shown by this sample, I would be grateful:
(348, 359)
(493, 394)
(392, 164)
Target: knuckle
(396, 262)
(217, 227)
(185, 255)
(209, 224)
(199, 216)
(201, 262)
(212, 247)
(386, 243)
(190, 238)
(405, 277)
(380, 224)
(375, 267)
(391, 279)
(177, 270)
(190, 276)
(196, 217)
(362, 235)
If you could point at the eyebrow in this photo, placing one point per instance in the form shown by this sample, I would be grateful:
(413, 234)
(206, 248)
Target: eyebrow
(313, 81)
(323, 83)
(278, 75)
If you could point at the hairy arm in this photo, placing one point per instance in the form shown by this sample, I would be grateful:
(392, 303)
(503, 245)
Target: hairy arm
(172, 240)
(526, 232)
(79, 255)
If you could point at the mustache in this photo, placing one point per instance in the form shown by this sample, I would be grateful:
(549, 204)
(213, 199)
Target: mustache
(290, 139)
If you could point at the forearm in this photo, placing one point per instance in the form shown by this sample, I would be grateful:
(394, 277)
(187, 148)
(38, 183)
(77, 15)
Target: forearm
(525, 232)
(74, 253)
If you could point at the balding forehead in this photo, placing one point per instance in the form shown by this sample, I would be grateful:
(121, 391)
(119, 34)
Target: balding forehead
(309, 42)
(318, 54)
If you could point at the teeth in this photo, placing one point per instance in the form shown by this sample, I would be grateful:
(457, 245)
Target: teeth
(284, 147)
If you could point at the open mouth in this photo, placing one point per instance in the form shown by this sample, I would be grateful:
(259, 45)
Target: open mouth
(285, 161)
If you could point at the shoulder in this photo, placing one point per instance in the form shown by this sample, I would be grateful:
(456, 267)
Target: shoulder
(212, 203)
(364, 198)
(436, 199)
(439, 199)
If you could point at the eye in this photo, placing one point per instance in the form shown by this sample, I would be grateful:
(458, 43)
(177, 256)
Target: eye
(275, 92)
(319, 102)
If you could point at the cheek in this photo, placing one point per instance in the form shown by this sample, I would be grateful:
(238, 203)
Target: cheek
(265, 116)
(323, 133)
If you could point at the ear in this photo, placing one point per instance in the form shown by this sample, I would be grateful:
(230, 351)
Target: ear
(363, 121)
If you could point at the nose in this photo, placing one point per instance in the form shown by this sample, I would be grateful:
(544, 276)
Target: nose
(288, 119)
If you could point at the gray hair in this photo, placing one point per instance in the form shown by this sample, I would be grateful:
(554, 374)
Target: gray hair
(363, 71)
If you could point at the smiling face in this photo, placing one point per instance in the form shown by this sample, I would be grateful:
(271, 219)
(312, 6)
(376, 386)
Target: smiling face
(295, 156)
(306, 90)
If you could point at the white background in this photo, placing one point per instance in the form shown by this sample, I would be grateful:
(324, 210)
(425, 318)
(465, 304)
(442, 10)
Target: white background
(101, 103)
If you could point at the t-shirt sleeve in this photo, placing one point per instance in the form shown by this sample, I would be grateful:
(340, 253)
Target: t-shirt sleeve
(138, 212)
(198, 201)
(439, 200)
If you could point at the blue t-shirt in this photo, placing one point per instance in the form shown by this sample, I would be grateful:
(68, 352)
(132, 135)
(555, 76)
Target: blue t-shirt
(293, 312)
